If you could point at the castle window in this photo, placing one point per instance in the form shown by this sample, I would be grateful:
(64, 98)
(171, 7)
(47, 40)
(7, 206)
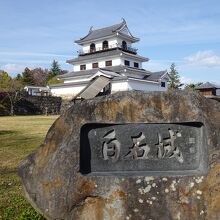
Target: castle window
(136, 65)
(108, 63)
(92, 47)
(124, 45)
(95, 65)
(127, 63)
(105, 45)
(163, 84)
(83, 67)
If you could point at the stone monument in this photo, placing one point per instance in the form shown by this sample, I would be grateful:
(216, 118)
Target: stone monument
(131, 155)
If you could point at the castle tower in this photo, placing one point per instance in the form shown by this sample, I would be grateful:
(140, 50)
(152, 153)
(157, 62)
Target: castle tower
(107, 63)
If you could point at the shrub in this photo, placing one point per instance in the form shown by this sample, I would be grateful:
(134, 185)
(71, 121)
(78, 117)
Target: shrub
(30, 214)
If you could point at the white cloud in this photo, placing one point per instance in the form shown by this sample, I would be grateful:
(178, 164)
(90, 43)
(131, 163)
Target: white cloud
(14, 53)
(205, 58)
(157, 65)
(13, 68)
(185, 80)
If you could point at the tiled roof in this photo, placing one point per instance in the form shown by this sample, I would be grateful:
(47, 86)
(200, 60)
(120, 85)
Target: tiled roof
(208, 85)
(117, 73)
(116, 69)
(115, 78)
(103, 32)
(109, 72)
(107, 53)
(155, 76)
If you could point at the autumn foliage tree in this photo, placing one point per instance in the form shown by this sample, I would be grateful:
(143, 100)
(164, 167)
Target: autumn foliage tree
(39, 76)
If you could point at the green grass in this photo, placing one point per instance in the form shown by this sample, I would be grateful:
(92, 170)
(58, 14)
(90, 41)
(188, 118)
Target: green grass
(19, 136)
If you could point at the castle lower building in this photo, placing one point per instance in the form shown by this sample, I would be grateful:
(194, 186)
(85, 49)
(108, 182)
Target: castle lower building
(209, 90)
(108, 63)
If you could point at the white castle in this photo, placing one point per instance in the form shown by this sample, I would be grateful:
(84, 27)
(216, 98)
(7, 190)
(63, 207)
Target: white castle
(108, 63)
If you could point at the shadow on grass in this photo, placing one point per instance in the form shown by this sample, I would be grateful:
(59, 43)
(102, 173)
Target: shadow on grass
(5, 132)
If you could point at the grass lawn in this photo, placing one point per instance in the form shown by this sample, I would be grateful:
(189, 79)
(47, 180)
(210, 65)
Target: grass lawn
(19, 135)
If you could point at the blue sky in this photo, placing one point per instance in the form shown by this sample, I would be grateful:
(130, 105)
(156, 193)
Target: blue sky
(33, 33)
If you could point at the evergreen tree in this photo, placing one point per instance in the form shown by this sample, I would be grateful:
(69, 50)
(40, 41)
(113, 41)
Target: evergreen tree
(174, 82)
(27, 78)
(54, 70)
(18, 77)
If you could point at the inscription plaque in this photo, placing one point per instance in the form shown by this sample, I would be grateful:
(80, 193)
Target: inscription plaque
(111, 149)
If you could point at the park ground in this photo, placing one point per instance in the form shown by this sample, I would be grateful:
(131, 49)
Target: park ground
(19, 136)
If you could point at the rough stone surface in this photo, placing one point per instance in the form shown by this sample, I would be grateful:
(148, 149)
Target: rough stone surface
(55, 186)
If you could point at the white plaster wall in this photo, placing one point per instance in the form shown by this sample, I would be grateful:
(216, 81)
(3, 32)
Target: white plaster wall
(136, 85)
(115, 62)
(86, 48)
(98, 44)
(145, 86)
(75, 80)
(111, 42)
(89, 66)
(132, 62)
(76, 68)
(67, 91)
(71, 91)
(119, 86)
(218, 92)
(101, 64)
(119, 41)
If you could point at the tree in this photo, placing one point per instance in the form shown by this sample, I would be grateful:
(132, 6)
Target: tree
(19, 77)
(174, 82)
(12, 87)
(54, 80)
(63, 72)
(4, 80)
(39, 76)
(14, 93)
(54, 70)
(27, 78)
(192, 86)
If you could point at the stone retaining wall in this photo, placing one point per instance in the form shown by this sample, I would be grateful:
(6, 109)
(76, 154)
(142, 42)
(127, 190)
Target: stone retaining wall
(37, 105)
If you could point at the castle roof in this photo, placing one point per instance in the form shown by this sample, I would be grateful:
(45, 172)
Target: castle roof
(119, 73)
(117, 29)
(115, 77)
(103, 54)
(208, 85)
(156, 76)
(117, 69)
